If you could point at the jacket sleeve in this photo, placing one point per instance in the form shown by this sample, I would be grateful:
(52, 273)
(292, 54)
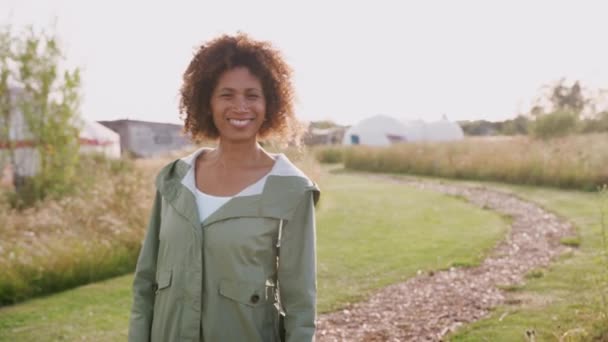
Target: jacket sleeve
(144, 283)
(297, 272)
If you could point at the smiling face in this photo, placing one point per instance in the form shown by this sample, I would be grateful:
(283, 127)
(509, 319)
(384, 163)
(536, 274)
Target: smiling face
(238, 105)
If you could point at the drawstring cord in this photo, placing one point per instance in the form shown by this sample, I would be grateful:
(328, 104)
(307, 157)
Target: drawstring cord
(277, 292)
(280, 234)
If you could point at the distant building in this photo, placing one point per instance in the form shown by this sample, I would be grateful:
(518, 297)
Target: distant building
(324, 136)
(145, 139)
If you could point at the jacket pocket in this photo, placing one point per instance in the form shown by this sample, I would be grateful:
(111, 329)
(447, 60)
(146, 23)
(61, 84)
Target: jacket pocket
(166, 319)
(163, 280)
(244, 293)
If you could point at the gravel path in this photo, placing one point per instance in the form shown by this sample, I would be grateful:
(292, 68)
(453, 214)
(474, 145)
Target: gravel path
(428, 306)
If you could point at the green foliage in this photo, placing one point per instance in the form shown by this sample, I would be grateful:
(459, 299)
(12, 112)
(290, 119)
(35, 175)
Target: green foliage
(564, 96)
(572, 241)
(518, 126)
(479, 127)
(510, 288)
(93, 263)
(32, 83)
(556, 124)
(568, 98)
(598, 123)
(537, 273)
(563, 109)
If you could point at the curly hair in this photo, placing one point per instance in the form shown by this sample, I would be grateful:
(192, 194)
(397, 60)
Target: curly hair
(224, 53)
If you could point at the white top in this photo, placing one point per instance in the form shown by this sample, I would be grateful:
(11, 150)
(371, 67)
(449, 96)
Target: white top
(208, 204)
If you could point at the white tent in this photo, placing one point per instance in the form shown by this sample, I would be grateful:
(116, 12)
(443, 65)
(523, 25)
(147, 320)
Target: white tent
(416, 130)
(379, 130)
(442, 130)
(382, 130)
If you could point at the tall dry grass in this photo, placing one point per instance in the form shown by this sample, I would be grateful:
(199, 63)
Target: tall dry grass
(579, 161)
(329, 154)
(93, 235)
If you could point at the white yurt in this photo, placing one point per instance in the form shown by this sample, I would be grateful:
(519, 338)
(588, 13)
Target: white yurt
(97, 138)
(415, 130)
(444, 130)
(441, 130)
(94, 138)
(383, 130)
(379, 130)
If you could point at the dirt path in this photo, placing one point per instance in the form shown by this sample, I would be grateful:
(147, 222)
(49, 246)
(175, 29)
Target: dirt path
(428, 306)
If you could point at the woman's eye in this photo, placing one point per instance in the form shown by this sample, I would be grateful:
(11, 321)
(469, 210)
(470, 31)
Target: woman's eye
(225, 96)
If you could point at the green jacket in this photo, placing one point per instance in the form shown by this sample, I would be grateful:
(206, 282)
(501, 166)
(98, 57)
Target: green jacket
(218, 277)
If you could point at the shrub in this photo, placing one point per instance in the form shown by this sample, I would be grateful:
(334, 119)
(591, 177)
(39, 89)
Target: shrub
(597, 124)
(556, 124)
(329, 154)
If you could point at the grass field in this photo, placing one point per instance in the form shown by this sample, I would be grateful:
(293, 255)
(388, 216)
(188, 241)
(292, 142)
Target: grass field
(370, 234)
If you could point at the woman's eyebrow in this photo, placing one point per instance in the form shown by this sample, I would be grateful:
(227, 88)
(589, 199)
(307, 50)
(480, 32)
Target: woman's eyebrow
(232, 90)
(226, 89)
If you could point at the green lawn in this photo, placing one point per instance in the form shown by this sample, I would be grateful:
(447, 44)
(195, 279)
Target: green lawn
(95, 312)
(370, 234)
(373, 233)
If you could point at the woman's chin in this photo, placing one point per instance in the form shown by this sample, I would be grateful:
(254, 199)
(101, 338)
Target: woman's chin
(238, 137)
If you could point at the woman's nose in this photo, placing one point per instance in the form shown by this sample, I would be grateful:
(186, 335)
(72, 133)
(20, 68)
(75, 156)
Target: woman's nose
(241, 105)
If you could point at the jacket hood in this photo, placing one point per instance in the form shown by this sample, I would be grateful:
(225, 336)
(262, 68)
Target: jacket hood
(283, 189)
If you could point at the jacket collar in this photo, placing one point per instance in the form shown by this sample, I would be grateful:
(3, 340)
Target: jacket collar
(281, 194)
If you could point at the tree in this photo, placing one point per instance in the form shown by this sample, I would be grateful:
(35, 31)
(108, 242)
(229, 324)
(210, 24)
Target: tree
(563, 97)
(518, 126)
(568, 98)
(35, 89)
(479, 127)
(559, 110)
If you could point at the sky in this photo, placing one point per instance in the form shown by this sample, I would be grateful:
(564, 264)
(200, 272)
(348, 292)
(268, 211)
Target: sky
(413, 60)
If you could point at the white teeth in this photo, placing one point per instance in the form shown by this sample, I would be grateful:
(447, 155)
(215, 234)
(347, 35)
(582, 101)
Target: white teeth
(239, 123)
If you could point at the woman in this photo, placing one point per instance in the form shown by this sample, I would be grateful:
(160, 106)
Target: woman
(230, 244)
